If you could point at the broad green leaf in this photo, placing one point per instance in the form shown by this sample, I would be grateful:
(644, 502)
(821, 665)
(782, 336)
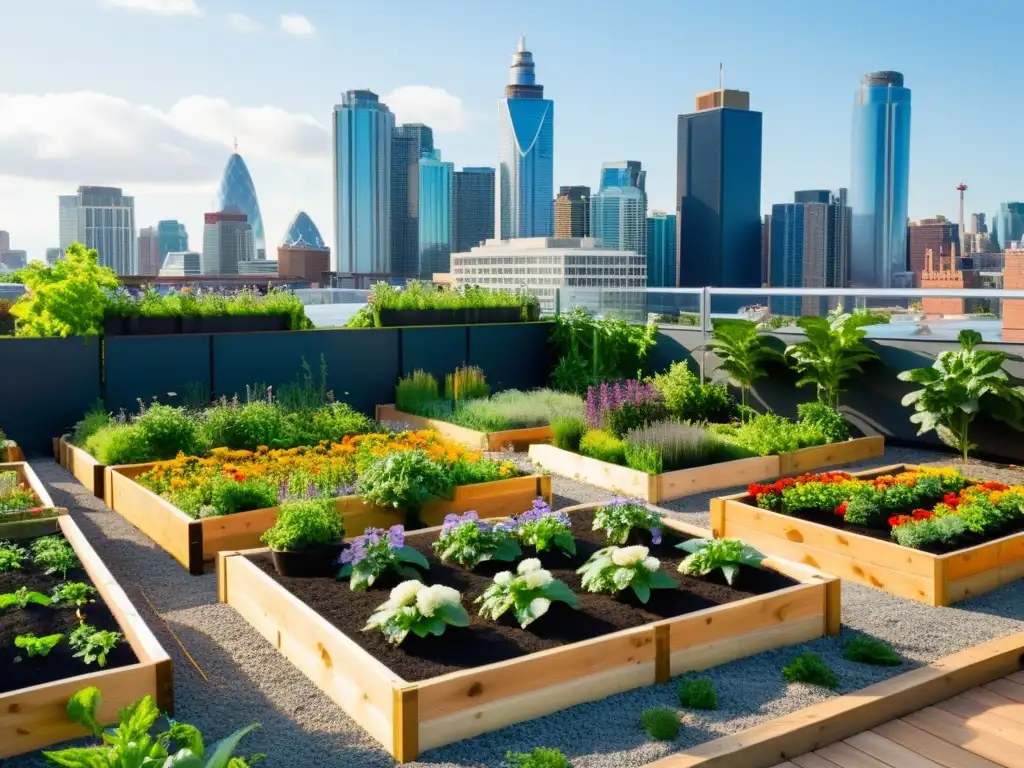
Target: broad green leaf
(83, 707)
(692, 545)
(559, 590)
(454, 614)
(661, 580)
(410, 555)
(731, 571)
(643, 592)
(187, 737)
(566, 543)
(87, 757)
(223, 750)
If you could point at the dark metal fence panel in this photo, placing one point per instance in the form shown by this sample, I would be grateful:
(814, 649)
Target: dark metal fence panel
(514, 356)
(173, 369)
(437, 350)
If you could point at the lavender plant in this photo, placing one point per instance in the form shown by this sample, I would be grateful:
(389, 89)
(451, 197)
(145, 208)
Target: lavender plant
(621, 406)
(618, 519)
(377, 551)
(541, 528)
(422, 610)
(469, 541)
(529, 592)
(614, 569)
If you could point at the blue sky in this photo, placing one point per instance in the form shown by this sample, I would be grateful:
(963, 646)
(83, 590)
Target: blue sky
(96, 93)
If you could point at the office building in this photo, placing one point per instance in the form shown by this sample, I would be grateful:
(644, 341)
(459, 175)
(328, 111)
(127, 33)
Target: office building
(938, 236)
(1008, 224)
(572, 212)
(102, 218)
(259, 267)
(148, 248)
(618, 212)
(181, 264)
(237, 194)
(766, 247)
(661, 250)
(5, 240)
(718, 193)
(472, 207)
(978, 224)
(840, 232)
(172, 236)
(227, 242)
(362, 129)
(408, 144)
(435, 215)
(588, 275)
(880, 180)
(53, 255)
(13, 259)
(524, 185)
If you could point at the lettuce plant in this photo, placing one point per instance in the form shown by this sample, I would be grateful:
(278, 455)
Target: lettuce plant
(377, 551)
(529, 592)
(614, 569)
(541, 528)
(54, 555)
(727, 554)
(621, 516)
(21, 598)
(91, 644)
(73, 593)
(37, 646)
(468, 541)
(422, 610)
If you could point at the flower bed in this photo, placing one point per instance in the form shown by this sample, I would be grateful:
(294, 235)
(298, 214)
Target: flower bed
(34, 690)
(20, 491)
(471, 438)
(429, 691)
(926, 534)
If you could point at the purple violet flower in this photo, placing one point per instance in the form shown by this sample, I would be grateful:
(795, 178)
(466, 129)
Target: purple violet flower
(656, 535)
(396, 536)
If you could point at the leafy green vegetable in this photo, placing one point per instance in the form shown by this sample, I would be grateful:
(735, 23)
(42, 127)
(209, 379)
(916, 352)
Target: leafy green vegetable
(22, 598)
(614, 569)
(37, 646)
(727, 554)
(54, 555)
(73, 593)
(91, 644)
(12, 556)
(834, 351)
(743, 353)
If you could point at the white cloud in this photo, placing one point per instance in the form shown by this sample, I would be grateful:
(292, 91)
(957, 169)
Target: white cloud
(298, 25)
(439, 109)
(162, 7)
(241, 23)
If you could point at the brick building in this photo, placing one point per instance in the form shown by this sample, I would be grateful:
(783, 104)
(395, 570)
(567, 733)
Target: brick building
(943, 273)
(939, 236)
(1013, 309)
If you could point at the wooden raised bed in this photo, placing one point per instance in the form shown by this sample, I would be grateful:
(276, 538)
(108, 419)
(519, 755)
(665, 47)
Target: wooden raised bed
(29, 478)
(478, 441)
(82, 465)
(410, 718)
(195, 543)
(922, 576)
(684, 482)
(11, 452)
(35, 717)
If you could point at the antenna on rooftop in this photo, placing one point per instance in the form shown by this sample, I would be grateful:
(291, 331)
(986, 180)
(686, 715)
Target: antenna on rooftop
(721, 77)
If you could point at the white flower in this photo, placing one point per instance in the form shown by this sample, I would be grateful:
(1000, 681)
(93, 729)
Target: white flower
(652, 564)
(629, 555)
(529, 564)
(405, 593)
(429, 599)
(503, 579)
(537, 579)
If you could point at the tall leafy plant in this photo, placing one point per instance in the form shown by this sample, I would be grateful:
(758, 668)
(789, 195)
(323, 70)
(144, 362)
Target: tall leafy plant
(592, 350)
(961, 384)
(742, 352)
(834, 351)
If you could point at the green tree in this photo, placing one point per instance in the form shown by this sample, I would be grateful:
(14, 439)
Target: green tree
(834, 351)
(742, 352)
(67, 298)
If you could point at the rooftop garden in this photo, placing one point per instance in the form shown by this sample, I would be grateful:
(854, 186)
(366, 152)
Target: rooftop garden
(419, 303)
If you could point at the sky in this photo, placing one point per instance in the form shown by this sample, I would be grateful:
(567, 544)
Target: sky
(150, 94)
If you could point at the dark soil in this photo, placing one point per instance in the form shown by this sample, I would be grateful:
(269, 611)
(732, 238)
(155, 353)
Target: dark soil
(486, 642)
(41, 621)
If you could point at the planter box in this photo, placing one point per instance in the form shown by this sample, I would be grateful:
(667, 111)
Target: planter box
(234, 324)
(11, 452)
(392, 318)
(35, 717)
(478, 441)
(195, 543)
(410, 718)
(713, 477)
(922, 576)
(82, 465)
(28, 477)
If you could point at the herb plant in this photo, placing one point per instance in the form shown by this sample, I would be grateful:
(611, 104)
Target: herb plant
(73, 593)
(11, 556)
(661, 723)
(37, 646)
(621, 516)
(22, 598)
(54, 555)
(742, 353)
(567, 432)
(729, 555)
(809, 668)
(422, 610)
(377, 551)
(469, 541)
(868, 650)
(698, 693)
(529, 592)
(304, 525)
(688, 399)
(91, 644)
(541, 757)
(542, 529)
(834, 351)
(614, 569)
(403, 479)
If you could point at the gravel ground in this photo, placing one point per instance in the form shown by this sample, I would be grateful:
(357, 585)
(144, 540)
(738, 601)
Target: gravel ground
(244, 680)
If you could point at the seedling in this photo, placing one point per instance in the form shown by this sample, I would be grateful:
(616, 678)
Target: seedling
(73, 593)
(37, 646)
(91, 644)
(22, 598)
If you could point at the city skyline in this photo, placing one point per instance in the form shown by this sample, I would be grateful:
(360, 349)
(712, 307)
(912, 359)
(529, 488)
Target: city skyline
(448, 79)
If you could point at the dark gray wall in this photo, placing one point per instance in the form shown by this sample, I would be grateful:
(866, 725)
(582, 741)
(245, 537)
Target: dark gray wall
(160, 367)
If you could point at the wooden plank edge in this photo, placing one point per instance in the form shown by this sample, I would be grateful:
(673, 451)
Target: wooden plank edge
(405, 722)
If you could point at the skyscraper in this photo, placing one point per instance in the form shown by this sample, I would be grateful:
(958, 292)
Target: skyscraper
(53, 255)
(1008, 223)
(5, 240)
(718, 193)
(661, 250)
(408, 144)
(978, 225)
(572, 212)
(472, 208)
(524, 185)
(618, 212)
(227, 240)
(172, 237)
(237, 194)
(435, 215)
(840, 232)
(880, 180)
(148, 247)
(102, 218)
(362, 131)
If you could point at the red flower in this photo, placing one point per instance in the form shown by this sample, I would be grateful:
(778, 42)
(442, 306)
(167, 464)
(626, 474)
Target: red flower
(951, 499)
(897, 520)
(36, 511)
(994, 486)
(923, 514)
(841, 509)
(239, 477)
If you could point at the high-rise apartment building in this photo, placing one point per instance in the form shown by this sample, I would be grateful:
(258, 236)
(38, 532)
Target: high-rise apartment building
(148, 248)
(472, 207)
(237, 194)
(1008, 224)
(840, 232)
(572, 212)
(524, 184)
(880, 181)
(53, 255)
(618, 212)
(102, 218)
(718, 193)
(661, 250)
(227, 241)
(978, 224)
(409, 143)
(362, 130)
(435, 215)
(941, 237)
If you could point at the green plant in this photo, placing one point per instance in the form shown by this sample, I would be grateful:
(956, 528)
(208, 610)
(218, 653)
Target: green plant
(94, 420)
(37, 646)
(541, 757)
(11, 556)
(600, 445)
(591, 350)
(305, 393)
(614, 569)
(511, 409)
(742, 353)
(416, 392)
(767, 434)
(73, 593)
(116, 444)
(864, 510)
(54, 555)
(568, 431)
(467, 383)
(528, 592)
(834, 351)
(957, 387)
(167, 431)
(666, 446)
(868, 650)
(91, 644)
(661, 723)
(246, 426)
(377, 551)
(809, 668)
(305, 524)
(698, 693)
(403, 479)
(927, 534)
(618, 519)
(230, 496)
(541, 528)
(468, 541)
(22, 598)
(687, 399)
(826, 419)
(707, 555)
(413, 607)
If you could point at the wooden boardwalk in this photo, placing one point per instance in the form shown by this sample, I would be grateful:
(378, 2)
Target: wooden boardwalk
(981, 728)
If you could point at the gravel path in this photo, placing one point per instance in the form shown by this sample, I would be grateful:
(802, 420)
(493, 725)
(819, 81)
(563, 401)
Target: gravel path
(247, 681)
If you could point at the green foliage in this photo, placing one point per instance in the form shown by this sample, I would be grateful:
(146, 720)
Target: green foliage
(619, 518)
(600, 445)
(513, 409)
(117, 444)
(927, 534)
(37, 646)
(12, 556)
(834, 351)
(728, 555)
(416, 392)
(67, 298)
(742, 352)
(21, 598)
(423, 295)
(304, 524)
(864, 510)
(54, 555)
(93, 645)
(957, 387)
(466, 383)
(666, 446)
(95, 419)
(529, 593)
(230, 496)
(199, 303)
(809, 668)
(468, 541)
(825, 418)
(698, 693)
(568, 431)
(14, 495)
(868, 650)
(166, 431)
(541, 757)
(422, 610)
(613, 569)
(73, 593)
(687, 399)
(661, 723)
(766, 434)
(306, 393)
(404, 479)
(246, 426)
(370, 556)
(592, 350)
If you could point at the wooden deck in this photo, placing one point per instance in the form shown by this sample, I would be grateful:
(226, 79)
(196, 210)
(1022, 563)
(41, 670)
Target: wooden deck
(981, 728)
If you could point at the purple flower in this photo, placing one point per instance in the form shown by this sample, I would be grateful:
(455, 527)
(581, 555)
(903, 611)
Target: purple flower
(655, 535)
(354, 554)
(396, 536)
(507, 526)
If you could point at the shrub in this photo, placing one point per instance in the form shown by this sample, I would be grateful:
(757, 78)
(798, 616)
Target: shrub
(598, 444)
(166, 431)
(305, 524)
(863, 510)
(403, 479)
(926, 534)
(868, 650)
(687, 399)
(698, 693)
(541, 757)
(231, 496)
(513, 409)
(415, 392)
(661, 723)
(666, 446)
(568, 431)
(118, 444)
(95, 419)
(809, 668)
(331, 423)
(769, 435)
(826, 419)
(245, 427)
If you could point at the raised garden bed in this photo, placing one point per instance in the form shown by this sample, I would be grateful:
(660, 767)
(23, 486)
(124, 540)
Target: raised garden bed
(195, 542)
(684, 482)
(10, 451)
(425, 694)
(33, 697)
(162, 326)
(82, 465)
(867, 557)
(479, 441)
(27, 477)
(390, 318)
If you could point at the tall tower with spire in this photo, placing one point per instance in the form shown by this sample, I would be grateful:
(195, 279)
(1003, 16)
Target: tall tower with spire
(525, 178)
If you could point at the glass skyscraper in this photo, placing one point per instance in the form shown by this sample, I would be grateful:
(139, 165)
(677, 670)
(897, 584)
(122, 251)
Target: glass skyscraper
(237, 194)
(408, 144)
(472, 207)
(362, 129)
(661, 250)
(435, 215)
(1008, 223)
(303, 233)
(880, 181)
(525, 179)
(618, 212)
